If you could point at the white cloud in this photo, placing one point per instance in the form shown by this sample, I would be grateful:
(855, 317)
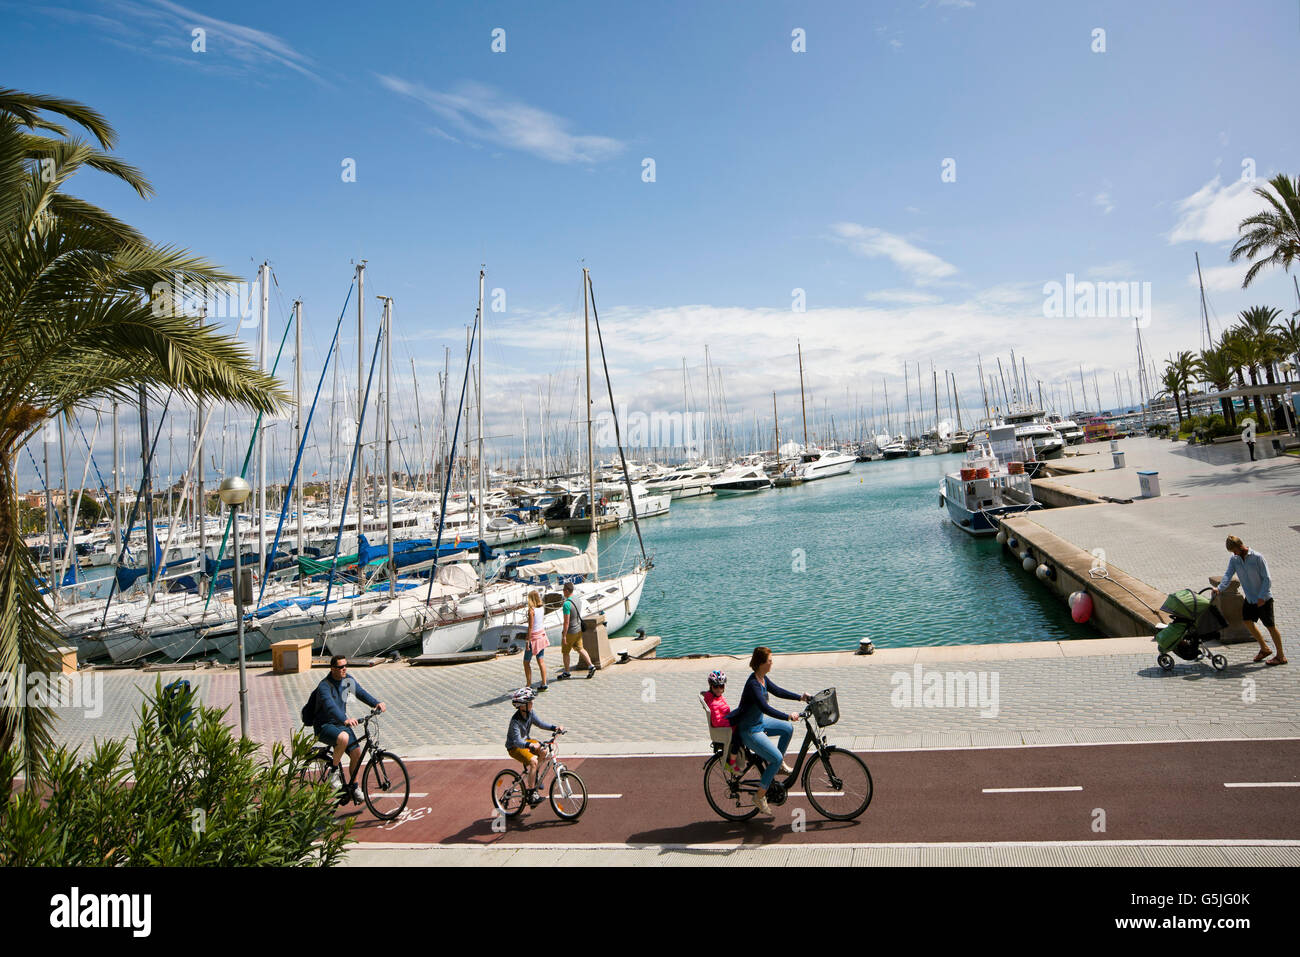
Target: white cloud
(907, 296)
(225, 40)
(482, 113)
(871, 242)
(1212, 213)
(1103, 201)
(1119, 269)
(1220, 278)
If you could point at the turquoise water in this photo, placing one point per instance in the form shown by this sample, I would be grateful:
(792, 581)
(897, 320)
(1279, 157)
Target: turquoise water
(816, 567)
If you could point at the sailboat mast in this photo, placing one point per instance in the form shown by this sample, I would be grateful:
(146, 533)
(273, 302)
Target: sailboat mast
(361, 391)
(1205, 313)
(388, 437)
(776, 422)
(591, 465)
(297, 425)
(803, 405)
(481, 321)
(264, 280)
(200, 494)
(117, 484)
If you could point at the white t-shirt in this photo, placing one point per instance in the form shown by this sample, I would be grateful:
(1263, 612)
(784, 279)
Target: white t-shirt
(535, 616)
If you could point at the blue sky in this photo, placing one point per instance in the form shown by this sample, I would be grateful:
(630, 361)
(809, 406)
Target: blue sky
(775, 170)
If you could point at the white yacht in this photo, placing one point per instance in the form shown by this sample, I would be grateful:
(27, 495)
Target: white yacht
(1069, 430)
(1030, 424)
(818, 464)
(740, 479)
(684, 483)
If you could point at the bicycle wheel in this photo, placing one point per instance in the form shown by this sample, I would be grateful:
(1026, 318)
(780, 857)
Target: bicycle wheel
(723, 791)
(838, 784)
(568, 796)
(385, 785)
(508, 793)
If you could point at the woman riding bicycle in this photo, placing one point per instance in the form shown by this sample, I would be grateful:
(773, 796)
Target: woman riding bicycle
(757, 721)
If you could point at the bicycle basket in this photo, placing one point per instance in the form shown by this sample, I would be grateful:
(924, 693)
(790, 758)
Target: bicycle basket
(825, 707)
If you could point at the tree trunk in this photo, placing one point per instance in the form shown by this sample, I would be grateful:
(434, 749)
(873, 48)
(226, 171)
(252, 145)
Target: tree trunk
(1259, 405)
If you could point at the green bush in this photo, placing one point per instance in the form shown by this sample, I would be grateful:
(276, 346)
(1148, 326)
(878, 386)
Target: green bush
(1206, 426)
(191, 794)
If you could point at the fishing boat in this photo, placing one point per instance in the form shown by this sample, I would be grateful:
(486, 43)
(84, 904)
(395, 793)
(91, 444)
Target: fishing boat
(991, 483)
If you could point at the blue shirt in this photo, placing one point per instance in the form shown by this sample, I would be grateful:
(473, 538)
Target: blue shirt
(1253, 574)
(520, 723)
(332, 699)
(753, 703)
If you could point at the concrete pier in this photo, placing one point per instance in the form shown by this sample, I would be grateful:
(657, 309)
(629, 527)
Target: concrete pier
(1128, 552)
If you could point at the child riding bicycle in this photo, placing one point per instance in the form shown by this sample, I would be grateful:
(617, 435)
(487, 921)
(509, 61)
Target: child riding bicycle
(522, 748)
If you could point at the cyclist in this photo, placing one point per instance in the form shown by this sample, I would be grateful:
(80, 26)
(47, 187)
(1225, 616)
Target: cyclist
(522, 748)
(332, 724)
(755, 720)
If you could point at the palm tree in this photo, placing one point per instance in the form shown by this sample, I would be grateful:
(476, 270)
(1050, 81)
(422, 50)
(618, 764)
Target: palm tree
(1288, 333)
(1185, 363)
(79, 320)
(1274, 231)
(1257, 325)
(1173, 384)
(1215, 368)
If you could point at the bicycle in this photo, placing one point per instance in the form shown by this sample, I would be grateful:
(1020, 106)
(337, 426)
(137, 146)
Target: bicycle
(837, 782)
(567, 792)
(384, 777)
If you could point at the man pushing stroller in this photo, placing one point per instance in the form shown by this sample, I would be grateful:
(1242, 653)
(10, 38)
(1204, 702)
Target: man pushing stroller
(1251, 570)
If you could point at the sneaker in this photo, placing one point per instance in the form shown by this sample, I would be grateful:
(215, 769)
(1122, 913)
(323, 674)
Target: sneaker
(786, 769)
(760, 802)
(534, 798)
(543, 688)
(356, 793)
(591, 672)
(562, 675)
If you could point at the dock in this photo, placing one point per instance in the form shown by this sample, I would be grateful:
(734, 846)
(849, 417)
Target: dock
(1101, 535)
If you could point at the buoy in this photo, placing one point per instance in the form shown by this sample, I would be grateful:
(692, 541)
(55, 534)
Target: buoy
(1081, 610)
(1029, 563)
(1001, 537)
(1044, 573)
(1074, 597)
(1013, 543)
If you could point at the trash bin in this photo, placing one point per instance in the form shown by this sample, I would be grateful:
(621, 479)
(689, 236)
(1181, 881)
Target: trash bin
(1114, 445)
(1117, 459)
(1150, 483)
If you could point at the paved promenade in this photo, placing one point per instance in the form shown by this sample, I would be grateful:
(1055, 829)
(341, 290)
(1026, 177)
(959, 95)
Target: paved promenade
(925, 700)
(1033, 694)
(1176, 541)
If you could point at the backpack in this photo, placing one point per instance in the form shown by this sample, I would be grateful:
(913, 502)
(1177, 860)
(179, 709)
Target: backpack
(575, 613)
(309, 709)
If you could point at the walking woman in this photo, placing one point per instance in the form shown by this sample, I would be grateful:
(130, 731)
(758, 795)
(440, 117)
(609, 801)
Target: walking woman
(537, 640)
(757, 721)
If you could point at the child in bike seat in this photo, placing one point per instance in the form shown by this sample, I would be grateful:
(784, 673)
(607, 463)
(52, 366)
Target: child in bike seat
(519, 746)
(718, 711)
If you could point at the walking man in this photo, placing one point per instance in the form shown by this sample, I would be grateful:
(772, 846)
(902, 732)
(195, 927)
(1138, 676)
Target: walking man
(572, 633)
(1248, 436)
(1252, 571)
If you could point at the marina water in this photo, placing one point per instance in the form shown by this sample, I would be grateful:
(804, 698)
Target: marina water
(817, 567)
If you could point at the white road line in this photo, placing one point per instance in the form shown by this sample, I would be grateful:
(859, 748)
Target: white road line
(818, 794)
(1076, 787)
(1264, 784)
(414, 794)
(595, 796)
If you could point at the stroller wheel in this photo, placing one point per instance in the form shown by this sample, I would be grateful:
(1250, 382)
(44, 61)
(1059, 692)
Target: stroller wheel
(1219, 662)
(1165, 662)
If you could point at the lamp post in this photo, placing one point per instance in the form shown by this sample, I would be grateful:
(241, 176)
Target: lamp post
(234, 492)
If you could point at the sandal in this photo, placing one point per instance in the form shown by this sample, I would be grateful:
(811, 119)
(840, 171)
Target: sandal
(1262, 655)
(1275, 661)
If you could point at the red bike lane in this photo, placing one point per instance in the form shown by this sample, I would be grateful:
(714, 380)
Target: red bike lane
(1220, 790)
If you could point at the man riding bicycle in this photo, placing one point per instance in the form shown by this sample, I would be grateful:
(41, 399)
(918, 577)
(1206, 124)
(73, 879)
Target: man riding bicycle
(332, 724)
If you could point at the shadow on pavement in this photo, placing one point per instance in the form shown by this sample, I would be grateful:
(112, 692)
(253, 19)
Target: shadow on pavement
(758, 831)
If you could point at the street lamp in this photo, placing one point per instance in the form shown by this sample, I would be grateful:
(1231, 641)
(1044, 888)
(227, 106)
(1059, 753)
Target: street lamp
(234, 493)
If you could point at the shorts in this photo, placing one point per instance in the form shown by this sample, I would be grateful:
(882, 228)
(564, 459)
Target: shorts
(329, 734)
(571, 642)
(523, 755)
(528, 652)
(1252, 612)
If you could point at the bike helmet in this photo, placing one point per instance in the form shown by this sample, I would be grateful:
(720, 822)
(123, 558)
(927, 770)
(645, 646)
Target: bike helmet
(717, 678)
(523, 696)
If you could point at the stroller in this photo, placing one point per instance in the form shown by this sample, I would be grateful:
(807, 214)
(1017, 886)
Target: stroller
(1196, 620)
